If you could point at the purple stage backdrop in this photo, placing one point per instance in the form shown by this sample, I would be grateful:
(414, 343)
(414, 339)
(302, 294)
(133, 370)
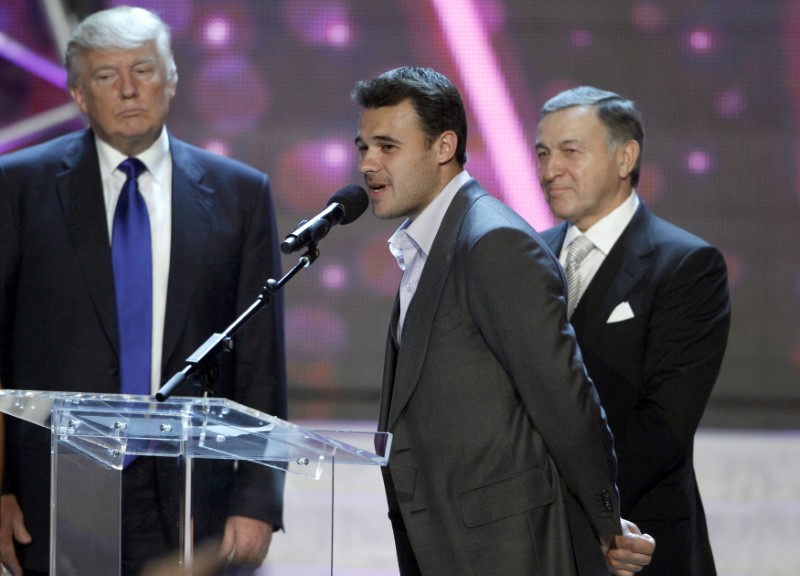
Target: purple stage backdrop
(268, 82)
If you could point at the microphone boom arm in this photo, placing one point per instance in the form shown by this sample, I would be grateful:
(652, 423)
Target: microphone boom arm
(204, 360)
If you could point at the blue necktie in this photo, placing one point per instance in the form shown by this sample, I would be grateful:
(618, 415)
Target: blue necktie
(133, 281)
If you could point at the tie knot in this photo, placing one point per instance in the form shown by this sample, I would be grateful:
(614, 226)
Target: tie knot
(132, 167)
(579, 248)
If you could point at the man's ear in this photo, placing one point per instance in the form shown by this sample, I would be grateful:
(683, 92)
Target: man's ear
(627, 156)
(77, 96)
(172, 86)
(447, 143)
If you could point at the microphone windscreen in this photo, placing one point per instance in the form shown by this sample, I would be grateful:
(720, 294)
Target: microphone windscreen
(354, 201)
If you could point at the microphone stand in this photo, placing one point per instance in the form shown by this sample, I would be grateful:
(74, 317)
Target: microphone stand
(203, 361)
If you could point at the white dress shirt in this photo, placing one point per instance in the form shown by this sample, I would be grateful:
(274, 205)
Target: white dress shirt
(412, 242)
(155, 186)
(603, 234)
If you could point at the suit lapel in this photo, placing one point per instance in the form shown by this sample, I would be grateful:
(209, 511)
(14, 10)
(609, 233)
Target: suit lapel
(554, 237)
(422, 310)
(80, 190)
(629, 260)
(389, 367)
(192, 206)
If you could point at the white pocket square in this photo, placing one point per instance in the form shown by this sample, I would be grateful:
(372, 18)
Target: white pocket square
(622, 312)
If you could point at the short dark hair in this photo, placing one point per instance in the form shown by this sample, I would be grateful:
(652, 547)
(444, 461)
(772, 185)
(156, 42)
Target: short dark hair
(620, 116)
(434, 98)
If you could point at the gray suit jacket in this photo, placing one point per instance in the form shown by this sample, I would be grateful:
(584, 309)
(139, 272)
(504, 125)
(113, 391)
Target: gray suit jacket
(654, 372)
(502, 462)
(58, 325)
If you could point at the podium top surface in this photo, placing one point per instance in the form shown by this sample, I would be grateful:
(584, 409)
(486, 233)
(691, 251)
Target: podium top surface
(109, 426)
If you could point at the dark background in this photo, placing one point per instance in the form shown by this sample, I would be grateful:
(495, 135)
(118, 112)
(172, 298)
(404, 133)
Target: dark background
(268, 82)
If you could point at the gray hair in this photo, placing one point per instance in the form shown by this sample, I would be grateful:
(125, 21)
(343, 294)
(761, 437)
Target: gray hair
(120, 28)
(620, 116)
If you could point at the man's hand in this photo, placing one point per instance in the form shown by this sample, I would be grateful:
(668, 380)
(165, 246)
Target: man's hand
(246, 541)
(630, 552)
(12, 527)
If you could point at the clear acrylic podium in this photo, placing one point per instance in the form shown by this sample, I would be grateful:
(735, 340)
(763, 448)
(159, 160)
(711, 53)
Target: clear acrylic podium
(92, 434)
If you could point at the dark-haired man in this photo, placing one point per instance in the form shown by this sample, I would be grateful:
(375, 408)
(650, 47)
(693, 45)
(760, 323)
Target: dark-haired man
(502, 462)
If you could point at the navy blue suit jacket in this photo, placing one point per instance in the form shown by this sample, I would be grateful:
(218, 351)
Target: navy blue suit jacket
(58, 320)
(654, 372)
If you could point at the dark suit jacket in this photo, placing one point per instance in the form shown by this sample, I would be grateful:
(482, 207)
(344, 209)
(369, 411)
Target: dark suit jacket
(58, 318)
(654, 373)
(502, 462)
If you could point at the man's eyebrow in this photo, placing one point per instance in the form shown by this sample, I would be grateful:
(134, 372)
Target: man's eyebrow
(102, 67)
(383, 138)
(145, 60)
(137, 62)
(378, 138)
(562, 143)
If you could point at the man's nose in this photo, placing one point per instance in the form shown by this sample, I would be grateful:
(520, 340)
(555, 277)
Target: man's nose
(128, 88)
(366, 163)
(548, 168)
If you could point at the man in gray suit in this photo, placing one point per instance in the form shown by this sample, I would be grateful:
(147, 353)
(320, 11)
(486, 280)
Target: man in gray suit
(502, 462)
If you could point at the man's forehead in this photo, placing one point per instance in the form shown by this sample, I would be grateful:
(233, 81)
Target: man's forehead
(388, 120)
(578, 116)
(142, 52)
(568, 125)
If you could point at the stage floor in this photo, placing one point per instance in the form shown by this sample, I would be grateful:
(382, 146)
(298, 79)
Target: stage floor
(749, 480)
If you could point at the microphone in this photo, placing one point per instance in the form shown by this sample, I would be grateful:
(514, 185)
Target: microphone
(343, 207)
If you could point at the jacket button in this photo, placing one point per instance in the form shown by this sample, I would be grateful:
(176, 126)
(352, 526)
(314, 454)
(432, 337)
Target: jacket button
(606, 496)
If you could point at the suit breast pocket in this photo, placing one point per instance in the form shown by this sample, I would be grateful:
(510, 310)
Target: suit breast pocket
(620, 342)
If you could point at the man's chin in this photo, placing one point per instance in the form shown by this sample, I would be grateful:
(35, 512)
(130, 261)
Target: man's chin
(558, 209)
(378, 212)
(386, 215)
(382, 216)
(134, 142)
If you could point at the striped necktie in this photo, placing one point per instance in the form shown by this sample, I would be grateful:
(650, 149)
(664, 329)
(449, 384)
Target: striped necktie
(579, 248)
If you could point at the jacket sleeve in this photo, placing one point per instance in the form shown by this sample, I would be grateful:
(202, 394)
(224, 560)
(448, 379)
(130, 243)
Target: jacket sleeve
(687, 332)
(517, 297)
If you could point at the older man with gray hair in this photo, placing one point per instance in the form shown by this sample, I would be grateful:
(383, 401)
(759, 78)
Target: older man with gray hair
(122, 249)
(649, 304)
